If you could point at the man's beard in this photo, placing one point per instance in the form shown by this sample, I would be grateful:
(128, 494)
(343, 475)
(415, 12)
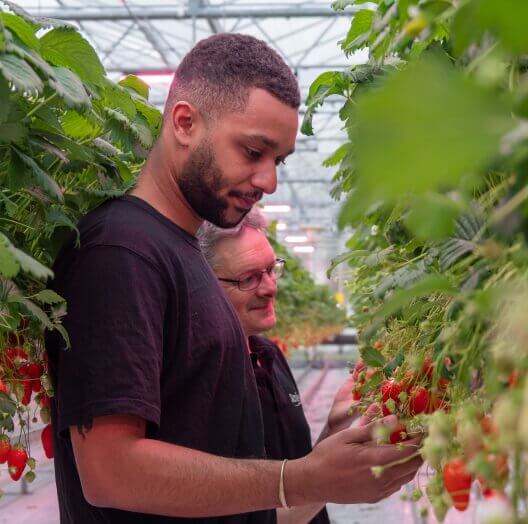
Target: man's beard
(200, 181)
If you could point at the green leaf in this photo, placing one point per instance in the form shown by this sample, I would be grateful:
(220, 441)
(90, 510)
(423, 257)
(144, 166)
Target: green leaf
(337, 156)
(31, 266)
(397, 361)
(24, 30)
(13, 259)
(9, 266)
(13, 132)
(136, 84)
(152, 114)
(119, 98)
(7, 405)
(40, 177)
(67, 48)
(56, 218)
(432, 216)
(346, 257)
(20, 74)
(21, 12)
(378, 257)
(430, 284)
(60, 328)
(78, 127)
(401, 278)
(435, 126)
(69, 87)
(48, 296)
(361, 23)
(33, 309)
(141, 130)
(504, 19)
(372, 357)
(5, 97)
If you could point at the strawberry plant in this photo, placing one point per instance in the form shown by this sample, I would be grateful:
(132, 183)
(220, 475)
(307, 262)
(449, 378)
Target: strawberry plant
(433, 179)
(69, 139)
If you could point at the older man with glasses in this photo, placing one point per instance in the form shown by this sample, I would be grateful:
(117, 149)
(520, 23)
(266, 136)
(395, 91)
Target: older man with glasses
(246, 265)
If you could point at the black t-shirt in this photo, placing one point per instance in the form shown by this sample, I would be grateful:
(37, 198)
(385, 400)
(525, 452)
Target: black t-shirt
(152, 335)
(286, 431)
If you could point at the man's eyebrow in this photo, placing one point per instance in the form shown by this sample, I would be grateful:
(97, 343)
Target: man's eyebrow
(268, 142)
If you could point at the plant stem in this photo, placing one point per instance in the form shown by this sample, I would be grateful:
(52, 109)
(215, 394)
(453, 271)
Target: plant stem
(401, 461)
(38, 106)
(480, 58)
(509, 206)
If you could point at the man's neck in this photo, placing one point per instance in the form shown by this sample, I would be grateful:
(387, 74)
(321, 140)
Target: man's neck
(158, 187)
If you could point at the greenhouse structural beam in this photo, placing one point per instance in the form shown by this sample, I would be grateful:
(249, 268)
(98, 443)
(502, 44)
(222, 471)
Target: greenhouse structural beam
(132, 71)
(82, 14)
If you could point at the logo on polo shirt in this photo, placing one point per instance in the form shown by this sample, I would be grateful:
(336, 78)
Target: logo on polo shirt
(295, 399)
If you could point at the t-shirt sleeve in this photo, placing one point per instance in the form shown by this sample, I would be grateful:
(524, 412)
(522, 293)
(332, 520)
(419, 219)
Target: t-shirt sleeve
(116, 301)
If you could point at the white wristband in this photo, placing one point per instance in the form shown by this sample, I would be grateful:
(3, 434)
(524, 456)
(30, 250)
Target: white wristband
(282, 495)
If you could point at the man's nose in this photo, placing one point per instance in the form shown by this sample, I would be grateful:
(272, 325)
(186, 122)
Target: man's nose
(265, 179)
(268, 285)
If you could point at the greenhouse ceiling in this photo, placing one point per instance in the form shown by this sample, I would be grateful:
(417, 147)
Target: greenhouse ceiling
(149, 38)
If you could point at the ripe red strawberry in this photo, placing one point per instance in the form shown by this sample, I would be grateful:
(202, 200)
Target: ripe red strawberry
(398, 435)
(437, 403)
(390, 389)
(513, 379)
(5, 446)
(47, 441)
(357, 369)
(427, 367)
(3, 387)
(16, 461)
(356, 394)
(419, 400)
(14, 357)
(26, 399)
(33, 371)
(488, 425)
(44, 400)
(457, 482)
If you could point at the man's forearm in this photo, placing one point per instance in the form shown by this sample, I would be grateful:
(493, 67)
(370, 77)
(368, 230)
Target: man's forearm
(150, 476)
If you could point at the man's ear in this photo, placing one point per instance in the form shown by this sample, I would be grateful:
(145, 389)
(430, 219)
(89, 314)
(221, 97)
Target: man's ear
(186, 121)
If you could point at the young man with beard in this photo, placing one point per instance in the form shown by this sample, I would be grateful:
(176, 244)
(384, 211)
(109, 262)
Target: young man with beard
(156, 414)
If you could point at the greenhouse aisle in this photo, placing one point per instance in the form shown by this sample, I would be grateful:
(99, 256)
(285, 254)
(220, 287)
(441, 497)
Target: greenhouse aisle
(317, 388)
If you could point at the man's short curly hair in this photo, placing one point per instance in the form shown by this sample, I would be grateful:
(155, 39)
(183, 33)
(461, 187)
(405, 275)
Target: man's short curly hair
(217, 74)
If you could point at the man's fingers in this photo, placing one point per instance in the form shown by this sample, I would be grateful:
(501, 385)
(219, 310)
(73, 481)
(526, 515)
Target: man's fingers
(372, 413)
(360, 434)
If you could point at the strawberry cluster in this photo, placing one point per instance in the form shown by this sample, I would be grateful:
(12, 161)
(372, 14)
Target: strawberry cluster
(24, 388)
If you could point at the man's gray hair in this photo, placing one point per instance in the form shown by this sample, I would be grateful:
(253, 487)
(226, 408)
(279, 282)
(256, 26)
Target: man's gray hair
(210, 235)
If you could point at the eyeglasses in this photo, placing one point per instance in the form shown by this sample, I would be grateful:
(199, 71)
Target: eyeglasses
(253, 281)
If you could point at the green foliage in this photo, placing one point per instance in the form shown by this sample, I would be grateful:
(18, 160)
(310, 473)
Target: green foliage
(69, 139)
(434, 184)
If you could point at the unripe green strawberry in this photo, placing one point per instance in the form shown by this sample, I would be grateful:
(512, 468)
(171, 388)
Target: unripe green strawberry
(5, 446)
(45, 415)
(433, 451)
(469, 435)
(506, 416)
(523, 416)
(440, 507)
(440, 426)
